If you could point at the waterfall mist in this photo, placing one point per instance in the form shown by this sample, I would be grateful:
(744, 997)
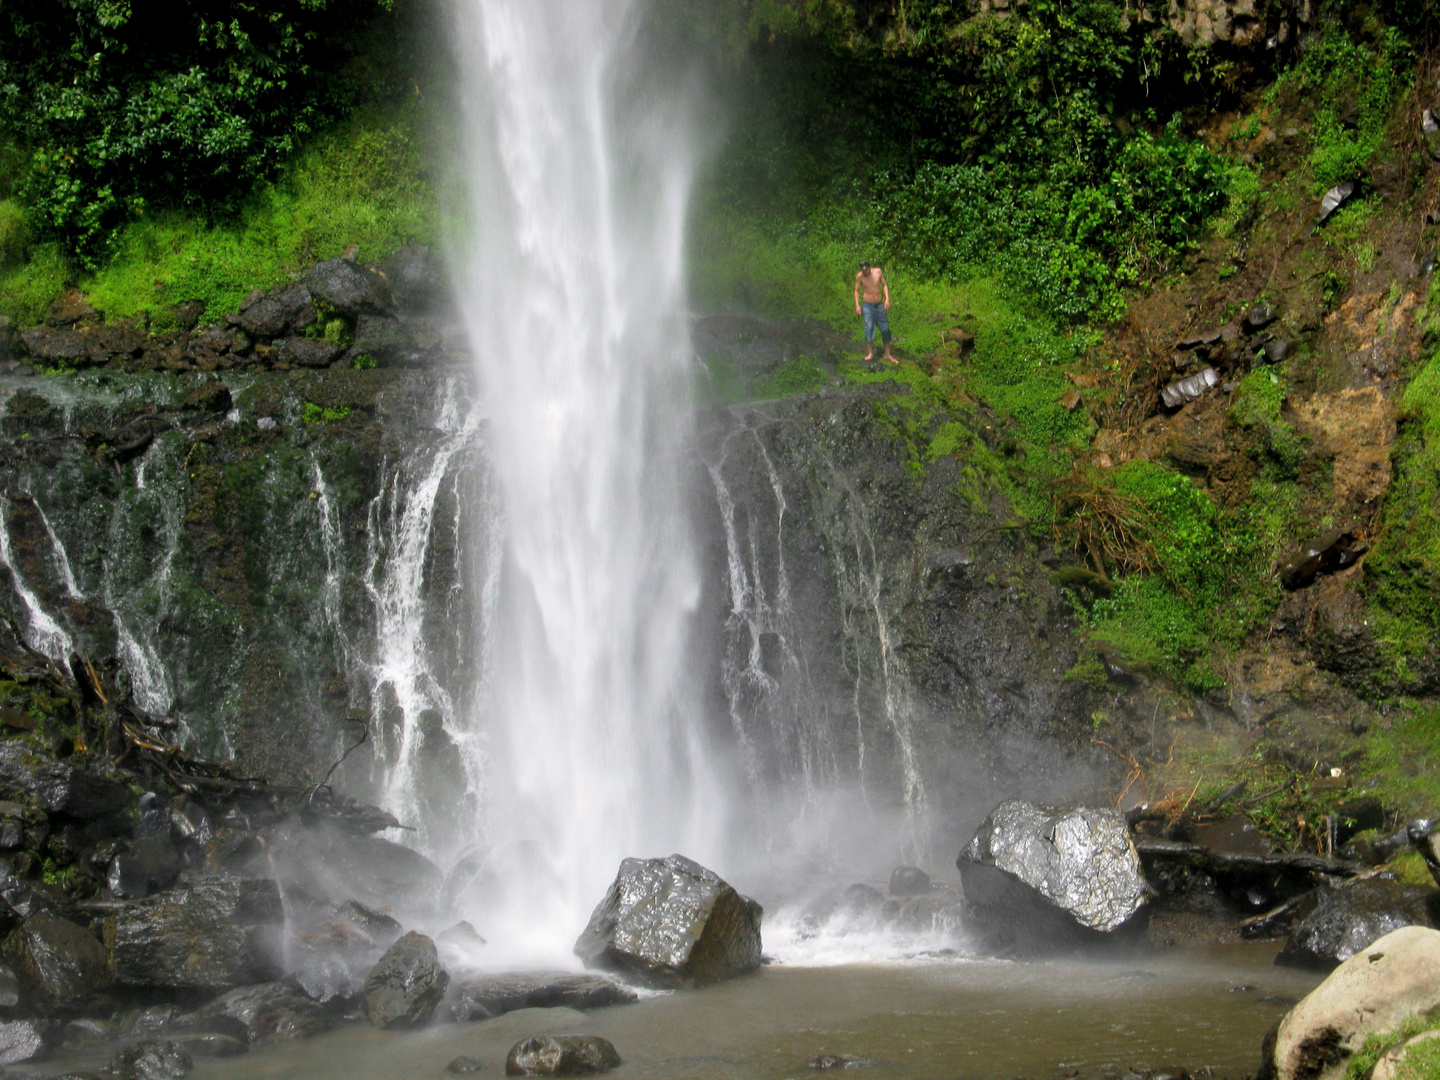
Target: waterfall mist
(579, 164)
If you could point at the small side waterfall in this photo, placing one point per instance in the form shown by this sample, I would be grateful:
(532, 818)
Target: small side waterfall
(817, 692)
(579, 166)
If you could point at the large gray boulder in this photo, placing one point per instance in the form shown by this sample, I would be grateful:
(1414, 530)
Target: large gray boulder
(1347, 919)
(349, 288)
(215, 934)
(1375, 991)
(406, 984)
(561, 1055)
(671, 923)
(1036, 876)
(59, 965)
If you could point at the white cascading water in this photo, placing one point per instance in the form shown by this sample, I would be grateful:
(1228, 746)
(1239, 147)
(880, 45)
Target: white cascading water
(579, 170)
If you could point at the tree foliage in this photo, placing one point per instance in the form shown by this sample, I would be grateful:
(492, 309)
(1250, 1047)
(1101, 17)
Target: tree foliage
(120, 104)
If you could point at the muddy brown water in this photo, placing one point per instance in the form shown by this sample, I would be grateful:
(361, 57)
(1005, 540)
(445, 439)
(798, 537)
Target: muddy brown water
(912, 1020)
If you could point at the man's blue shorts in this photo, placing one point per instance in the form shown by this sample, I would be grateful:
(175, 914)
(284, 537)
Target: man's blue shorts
(876, 317)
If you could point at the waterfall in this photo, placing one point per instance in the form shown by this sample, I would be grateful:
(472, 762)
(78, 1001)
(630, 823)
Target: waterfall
(579, 167)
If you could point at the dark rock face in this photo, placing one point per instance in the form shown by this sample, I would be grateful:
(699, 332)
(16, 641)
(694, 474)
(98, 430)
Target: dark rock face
(909, 881)
(59, 965)
(349, 288)
(561, 1055)
(416, 278)
(305, 352)
(214, 934)
(339, 862)
(273, 316)
(671, 922)
(162, 1059)
(151, 864)
(58, 787)
(406, 984)
(1037, 873)
(22, 1040)
(1348, 919)
(868, 591)
(494, 995)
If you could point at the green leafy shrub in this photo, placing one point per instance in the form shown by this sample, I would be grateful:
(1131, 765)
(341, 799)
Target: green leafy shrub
(181, 103)
(1355, 84)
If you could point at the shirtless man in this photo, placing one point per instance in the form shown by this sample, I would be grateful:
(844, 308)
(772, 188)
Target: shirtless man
(872, 300)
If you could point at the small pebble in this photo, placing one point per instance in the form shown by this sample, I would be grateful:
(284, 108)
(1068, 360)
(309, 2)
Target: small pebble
(464, 1064)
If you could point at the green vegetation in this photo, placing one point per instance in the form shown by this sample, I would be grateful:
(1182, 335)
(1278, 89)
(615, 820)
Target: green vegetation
(319, 414)
(364, 182)
(1256, 407)
(1403, 573)
(1420, 1063)
(1355, 84)
(107, 114)
(1404, 760)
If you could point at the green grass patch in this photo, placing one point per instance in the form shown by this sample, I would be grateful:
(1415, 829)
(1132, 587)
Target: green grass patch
(801, 376)
(363, 182)
(1256, 407)
(319, 414)
(1421, 1063)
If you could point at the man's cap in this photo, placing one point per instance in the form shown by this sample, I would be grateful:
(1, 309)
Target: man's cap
(864, 266)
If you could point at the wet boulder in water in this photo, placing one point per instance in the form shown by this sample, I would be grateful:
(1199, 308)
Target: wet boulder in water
(22, 1040)
(216, 933)
(561, 1055)
(59, 965)
(494, 995)
(272, 1012)
(1377, 990)
(464, 1065)
(406, 984)
(1350, 918)
(160, 1059)
(1036, 875)
(671, 923)
(909, 881)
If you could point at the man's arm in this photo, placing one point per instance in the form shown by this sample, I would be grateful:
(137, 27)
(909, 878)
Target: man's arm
(857, 294)
(885, 284)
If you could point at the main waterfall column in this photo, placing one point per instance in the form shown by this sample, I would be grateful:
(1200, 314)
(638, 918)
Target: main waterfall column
(578, 154)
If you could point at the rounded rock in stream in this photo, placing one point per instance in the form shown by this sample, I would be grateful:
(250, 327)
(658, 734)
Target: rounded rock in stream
(162, 1059)
(463, 1065)
(672, 923)
(561, 1055)
(1348, 919)
(909, 881)
(406, 984)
